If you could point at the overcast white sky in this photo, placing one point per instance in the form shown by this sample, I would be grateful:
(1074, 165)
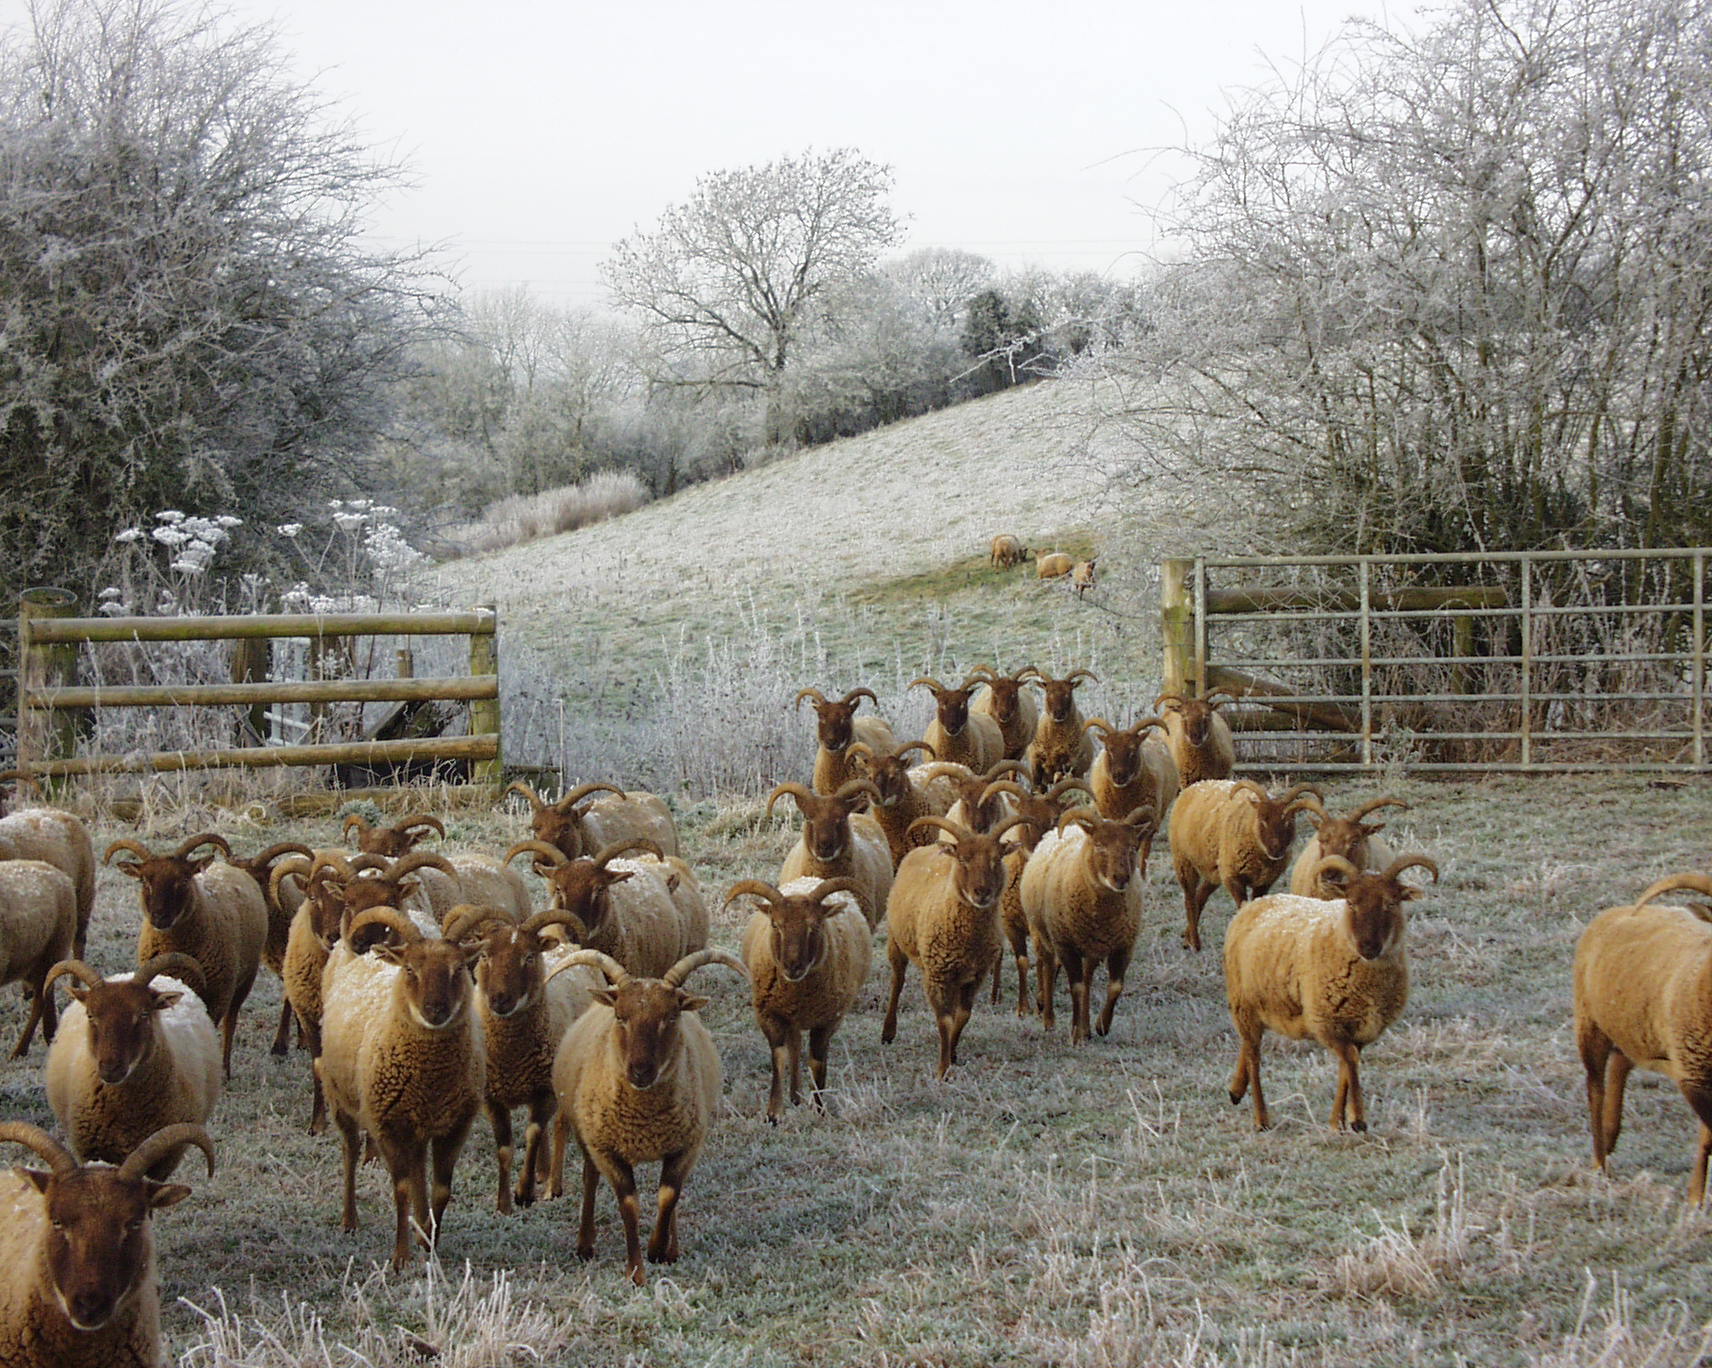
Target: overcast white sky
(540, 135)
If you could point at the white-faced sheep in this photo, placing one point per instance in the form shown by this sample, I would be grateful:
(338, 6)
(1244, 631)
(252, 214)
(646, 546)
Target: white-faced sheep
(1357, 841)
(1232, 834)
(647, 913)
(135, 1053)
(260, 868)
(905, 793)
(807, 961)
(38, 927)
(838, 842)
(212, 912)
(957, 735)
(1007, 700)
(1061, 748)
(837, 728)
(638, 1079)
(404, 1061)
(523, 1020)
(1081, 894)
(1084, 574)
(1006, 550)
(943, 915)
(1643, 998)
(1201, 741)
(1132, 768)
(1330, 969)
(1053, 564)
(58, 838)
(77, 1250)
(576, 829)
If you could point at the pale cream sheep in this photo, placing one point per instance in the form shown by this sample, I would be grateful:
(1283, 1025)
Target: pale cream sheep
(808, 960)
(1053, 564)
(838, 842)
(1333, 970)
(58, 838)
(1081, 895)
(77, 1254)
(1357, 841)
(576, 829)
(638, 1080)
(38, 927)
(1643, 998)
(135, 1053)
(404, 1061)
(837, 728)
(1006, 550)
(957, 734)
(1232, 834)
(1084, 575)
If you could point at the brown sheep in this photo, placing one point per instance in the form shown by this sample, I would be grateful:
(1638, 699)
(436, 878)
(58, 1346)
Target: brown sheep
(1232, 834)
(391, 841)
(1357, 841)
(1132, 768)
(1006, 699)
(839, 842)
(1006, 551)
(260, 868)
(902, 799)
(1201, 741)
(957, 735)
(576, 830)
(1052, 565)
(1061, 747)
(1040, 813)
(837, 727)
(1083, 575)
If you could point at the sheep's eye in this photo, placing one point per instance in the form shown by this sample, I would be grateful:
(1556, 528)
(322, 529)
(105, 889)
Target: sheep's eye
(58, 1224)
(136, 1224)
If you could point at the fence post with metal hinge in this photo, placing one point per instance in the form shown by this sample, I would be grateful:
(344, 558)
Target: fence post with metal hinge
(485, 713)
(44, 734)
(1176, 626)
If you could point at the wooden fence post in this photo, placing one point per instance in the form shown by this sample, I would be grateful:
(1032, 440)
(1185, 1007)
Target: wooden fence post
(252, 661)
(485, 713)
(43, 733)
(1177, 627)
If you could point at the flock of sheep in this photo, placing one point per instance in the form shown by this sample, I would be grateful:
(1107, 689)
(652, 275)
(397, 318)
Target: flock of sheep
(428, 989)
(1008, 550)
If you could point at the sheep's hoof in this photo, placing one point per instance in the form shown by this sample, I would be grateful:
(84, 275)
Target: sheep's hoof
(1235, 1096)
(524, 1199)
(1359, 1126)
(279, 1049)
(637, 1275)
(772, 1118)
(585, 1252)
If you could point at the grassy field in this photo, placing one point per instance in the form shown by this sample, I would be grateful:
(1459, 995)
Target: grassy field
(1045, 1205)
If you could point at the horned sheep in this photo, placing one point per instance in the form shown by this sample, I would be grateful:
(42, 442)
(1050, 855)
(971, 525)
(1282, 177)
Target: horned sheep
(905, 793)
(837, 728)
(1061, 747)
(1040, 813)
(1232, 834)
(958, 735)
(135, 1053)
(1007, 700)
(1132, 768)
(839, 842)
(807, 960)
(260, 868)
(1357, 841)
(1643, 998)
(58, 838)
(38, 928)
(1200, 740)
(576, 829)
(77, 1244)
(1334, 970)
(638, 1080)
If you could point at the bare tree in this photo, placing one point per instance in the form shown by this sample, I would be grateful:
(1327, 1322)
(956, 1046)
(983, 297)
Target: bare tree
(730, 280)
(191, 316)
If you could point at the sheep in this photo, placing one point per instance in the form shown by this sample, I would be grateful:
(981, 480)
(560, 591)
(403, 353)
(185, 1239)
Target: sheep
(38, 928)
(807, 963)
(983, 799)
(1231, 834)
(837, 728)
(212, 912)
(1006, 551)
(577, 830)
(943, 914)
(391, 841)
(1132, 768)
(1347, 836)
(1006, 700)
(133, 1055)
(1081, 896)
(260, 868)
(1061, 746)
(647, 914)
(404, 1061)
(839, 842)
(523, 1023)
(902, 798)
(1200, 739)
(58, 838)
(638, 1079)
(78, 1288)
(1052, 564)
(1040, 813)
(958, 735)
(1083, 575)
(1332, 969)
(1641, 977)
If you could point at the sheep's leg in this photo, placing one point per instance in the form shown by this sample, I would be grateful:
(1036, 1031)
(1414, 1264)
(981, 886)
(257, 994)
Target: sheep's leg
(535, 1147)
(1595, 1049)
(282, 1037)
(1348, 1108)
(405, 1160)
(35, 997)
(561, 1138)
(1195, 895)
(1019, 949)
(793, 1052)
(674, 1169)
(585, 1231)
(1116, 965)
(998, 973)
(1048, 976)
(229, 1023)
(444, 1151)
(1079, 974)
(1247, 1074)
(318, 1097)
(777, 1033)
(500, 1117)
(962, 1009)
(819, 1041)
(623, 1180)
(349, 1134)
(1616, 1080)
(900, 966)
(1700, 1098)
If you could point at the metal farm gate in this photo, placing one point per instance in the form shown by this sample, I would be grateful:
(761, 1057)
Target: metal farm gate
(1506, 661)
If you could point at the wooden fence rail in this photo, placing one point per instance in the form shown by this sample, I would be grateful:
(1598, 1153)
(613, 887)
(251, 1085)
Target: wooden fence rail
(49, 698)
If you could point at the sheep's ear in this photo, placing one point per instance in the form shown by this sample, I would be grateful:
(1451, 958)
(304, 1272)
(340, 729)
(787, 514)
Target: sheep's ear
(35, 1178)
(387, 951)
(1412, 891)
(161, 1001)
(689, 1002)
(1334, 878)
(130, 868)
(197, 866)
(606, 997)
(164, 1195)
(618, 875)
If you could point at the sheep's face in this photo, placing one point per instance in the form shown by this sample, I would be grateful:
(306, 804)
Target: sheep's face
(981, 872)
(826, 830)
(1373, 910)
(1123, 757)
(798, 936)
(561, 828)
(168, 886)
(835, 724)
(953, 709)
(371, 890)
(584, 888)
(508, 969)
(1060, 698)
(1007, 699)
(646, 1016)
(1275, 826)
(1196, 719)
(891, 777)
(121, 1026)
(99, 1241)
(1340, 836)
(1114, 850)
(434, 976)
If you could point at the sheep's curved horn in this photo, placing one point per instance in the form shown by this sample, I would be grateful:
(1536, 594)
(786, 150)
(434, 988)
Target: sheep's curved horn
(582, 791)
(389, 917)
(1146, 723)
(948, 769)
(137, 848)
(422, 819)
(34, 1137)
(1009, 786)
(818, 697)
(518, 786)
(616, 974)
(675, 976)
(191, 843)
(325, 864)
(796, 791)
(1307, 802)
(540, 849)
(262, 859)
(187, 969)
(1220, 692)
(1064, 786)
(756, 887)
(1249, 786)
(1403, 862)
(1375, 805)
(419, 859)
(851, 788)
(156, 1146)
(1077, 675)
(1028, 672)
(1338, 864)
(1106, 728)
(297, 868)
(909, 746)
(617, 848)
(77, 969)
(1016, 819)
(863, 692)
(957, 829)
(986, 674)
(929, 681)
(1690, 881)
(860, 748)
(459, 921)
(357, 820)
(827, 887)
(1084, 817)
(1178, 699)
(556, 916)
(1296, 791)
(1140, 810)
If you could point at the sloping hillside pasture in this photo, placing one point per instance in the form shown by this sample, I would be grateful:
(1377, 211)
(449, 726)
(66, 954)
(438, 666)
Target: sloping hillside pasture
(1045, 1205)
